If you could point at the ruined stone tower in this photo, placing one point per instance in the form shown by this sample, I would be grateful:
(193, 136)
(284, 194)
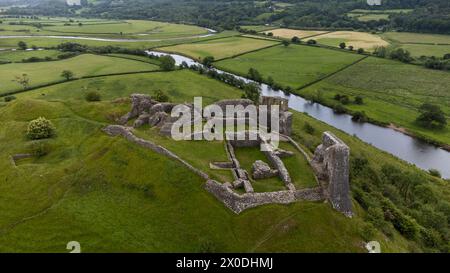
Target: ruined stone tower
(331, 163)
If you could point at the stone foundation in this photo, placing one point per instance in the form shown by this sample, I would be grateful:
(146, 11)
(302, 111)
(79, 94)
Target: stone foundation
(238, 203)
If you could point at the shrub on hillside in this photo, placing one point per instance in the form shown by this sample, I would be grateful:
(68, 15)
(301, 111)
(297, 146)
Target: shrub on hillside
(434, 172)
(9, 98)
(308, 128)
(40, 128)
(161, 96)
(92, 96)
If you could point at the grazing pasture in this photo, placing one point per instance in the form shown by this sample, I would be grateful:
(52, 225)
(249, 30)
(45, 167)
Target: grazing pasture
(417, 38)
(19, 55)
(292, 66)
(220, 48)
(392, 92)
(420, 44)
(83, 65)
(289, 33)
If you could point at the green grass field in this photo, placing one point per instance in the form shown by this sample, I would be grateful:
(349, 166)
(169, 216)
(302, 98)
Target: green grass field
(220, 48)
(19, 55)
(420, 44)
(138, 29)
(113, 196)
(427, 50)
(392, 92)
(290, 66)
(407, 38)
(83, 65)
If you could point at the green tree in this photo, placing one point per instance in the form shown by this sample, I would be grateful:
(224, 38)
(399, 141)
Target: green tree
(167, 63)
(285, 43)
(342, 45)
(251, 92)
(40, 128)
(254, 74)
(295, 40)
(67, 74)
(431, 116)
(208, 60)
(22, 45)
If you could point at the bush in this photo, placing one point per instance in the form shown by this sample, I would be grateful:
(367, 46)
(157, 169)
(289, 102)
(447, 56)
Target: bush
(435, 173)
(9, 98)
(311, 42)
(368, 232)
(40, 128)
(339, 108)
(359, 116)
(360, 51)
(167, 63)
(308, 128)
(93, 96)
(161, 96)
(39, 148)
(359, 100)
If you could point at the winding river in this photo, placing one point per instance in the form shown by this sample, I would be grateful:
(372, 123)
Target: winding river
(414, 151)
(211, 32)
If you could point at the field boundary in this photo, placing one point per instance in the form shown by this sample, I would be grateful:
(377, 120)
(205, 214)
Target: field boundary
(76, 79)
(331, 74)
(251, 51)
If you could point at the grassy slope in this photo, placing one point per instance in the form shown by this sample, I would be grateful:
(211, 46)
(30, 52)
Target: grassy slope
(290, 66)
(111, 195)
(219, 48)
(392, 92)
(84, 65)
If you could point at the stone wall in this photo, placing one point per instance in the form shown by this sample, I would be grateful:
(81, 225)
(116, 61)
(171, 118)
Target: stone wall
(116, 130)
(238, 203)
(331, 164)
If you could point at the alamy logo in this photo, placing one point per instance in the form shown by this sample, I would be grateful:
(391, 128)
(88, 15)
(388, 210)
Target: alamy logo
(374, 2)
(373, 247)
(242, 122)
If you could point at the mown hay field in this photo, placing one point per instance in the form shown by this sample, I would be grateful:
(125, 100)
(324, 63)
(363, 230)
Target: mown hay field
(220, 48)
(289, 33)
(356, 39)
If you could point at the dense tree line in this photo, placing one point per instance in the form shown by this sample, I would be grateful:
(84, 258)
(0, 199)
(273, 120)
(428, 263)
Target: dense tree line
(427, 15)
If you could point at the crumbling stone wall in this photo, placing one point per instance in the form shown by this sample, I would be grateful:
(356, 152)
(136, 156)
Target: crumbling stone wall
(116, 130)
(331, 164)
(238, 203)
